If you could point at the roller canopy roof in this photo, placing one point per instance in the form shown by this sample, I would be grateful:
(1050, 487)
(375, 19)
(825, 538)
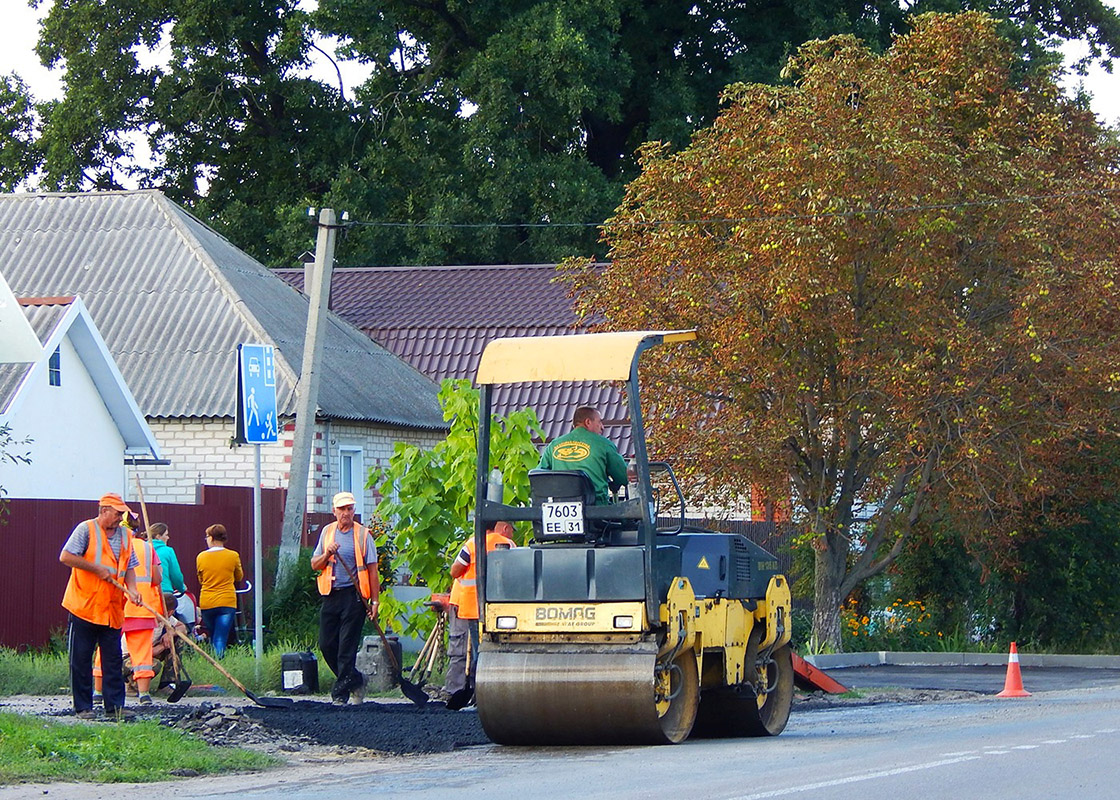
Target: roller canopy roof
(587, 357)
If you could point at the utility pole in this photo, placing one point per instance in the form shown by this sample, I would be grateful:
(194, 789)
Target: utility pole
(318, 288)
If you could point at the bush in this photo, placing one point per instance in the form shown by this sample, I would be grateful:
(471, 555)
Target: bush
(291, 611)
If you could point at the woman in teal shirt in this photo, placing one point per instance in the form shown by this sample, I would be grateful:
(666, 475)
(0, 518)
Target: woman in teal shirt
(172, 572)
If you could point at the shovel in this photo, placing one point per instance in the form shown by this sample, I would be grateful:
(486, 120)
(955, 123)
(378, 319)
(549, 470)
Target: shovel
(410, 690)
(182, 681)
(431, 649)
(267, 702)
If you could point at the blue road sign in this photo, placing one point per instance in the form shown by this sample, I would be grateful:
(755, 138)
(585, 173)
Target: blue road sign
(256, 394)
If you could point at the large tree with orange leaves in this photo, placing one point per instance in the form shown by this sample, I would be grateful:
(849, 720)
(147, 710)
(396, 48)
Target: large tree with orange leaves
(903, 269)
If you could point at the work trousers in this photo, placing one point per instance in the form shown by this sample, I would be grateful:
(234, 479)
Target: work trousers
(83, 639)
(462, 630)
(340, 633)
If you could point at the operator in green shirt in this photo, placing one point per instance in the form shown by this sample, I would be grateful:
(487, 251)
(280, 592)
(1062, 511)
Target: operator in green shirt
(587, 450)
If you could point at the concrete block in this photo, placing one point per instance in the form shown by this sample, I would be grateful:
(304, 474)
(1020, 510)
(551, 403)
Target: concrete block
(373, 662)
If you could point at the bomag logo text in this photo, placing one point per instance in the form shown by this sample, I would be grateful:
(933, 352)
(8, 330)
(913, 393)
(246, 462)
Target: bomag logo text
(571, 451)
(566, 614)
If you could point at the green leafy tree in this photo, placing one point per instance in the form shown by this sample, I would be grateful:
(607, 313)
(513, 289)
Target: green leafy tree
(11, 452)
(236, 131)
(19, 156)
(507, 112)
(428, 495)
(903, 270)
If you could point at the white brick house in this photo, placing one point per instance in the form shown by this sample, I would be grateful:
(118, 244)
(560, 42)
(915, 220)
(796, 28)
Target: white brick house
(173, 299)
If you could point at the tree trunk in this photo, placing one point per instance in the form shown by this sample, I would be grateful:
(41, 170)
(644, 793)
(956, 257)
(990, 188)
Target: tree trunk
(829, 566)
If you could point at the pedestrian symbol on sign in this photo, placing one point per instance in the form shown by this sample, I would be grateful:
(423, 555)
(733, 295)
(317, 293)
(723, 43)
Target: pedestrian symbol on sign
(256, 395)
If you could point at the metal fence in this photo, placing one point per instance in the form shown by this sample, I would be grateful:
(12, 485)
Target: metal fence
(33, 531)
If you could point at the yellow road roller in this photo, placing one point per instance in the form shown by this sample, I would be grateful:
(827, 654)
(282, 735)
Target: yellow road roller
(613, 627)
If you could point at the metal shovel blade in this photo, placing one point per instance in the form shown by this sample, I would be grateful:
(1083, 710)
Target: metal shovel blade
(179, 686)
(410, 690)
(460, 698)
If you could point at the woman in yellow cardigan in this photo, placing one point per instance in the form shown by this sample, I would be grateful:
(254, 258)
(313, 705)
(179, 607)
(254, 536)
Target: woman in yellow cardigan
(219, 568)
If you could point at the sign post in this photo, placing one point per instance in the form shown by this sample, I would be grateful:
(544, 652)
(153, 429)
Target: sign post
(256, 424)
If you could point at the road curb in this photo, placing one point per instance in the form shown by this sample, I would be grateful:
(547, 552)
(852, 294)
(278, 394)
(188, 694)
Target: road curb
(905, 659)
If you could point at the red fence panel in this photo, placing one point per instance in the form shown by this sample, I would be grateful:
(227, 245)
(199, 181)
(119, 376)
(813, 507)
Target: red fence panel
(33, 532)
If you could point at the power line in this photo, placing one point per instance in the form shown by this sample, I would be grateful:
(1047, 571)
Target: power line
(822, 215)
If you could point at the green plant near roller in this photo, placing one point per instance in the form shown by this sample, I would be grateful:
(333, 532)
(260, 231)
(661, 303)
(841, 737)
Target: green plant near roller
(429, 494)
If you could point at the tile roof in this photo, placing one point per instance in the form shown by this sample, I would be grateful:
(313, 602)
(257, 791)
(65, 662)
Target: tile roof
(447, 297)
(173, 299)
(439, 319)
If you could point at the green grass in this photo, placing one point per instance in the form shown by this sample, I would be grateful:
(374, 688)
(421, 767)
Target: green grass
(36, 749)
(47, 673)
(33, 673)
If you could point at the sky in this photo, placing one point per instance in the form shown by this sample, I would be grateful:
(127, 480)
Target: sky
(20, 31)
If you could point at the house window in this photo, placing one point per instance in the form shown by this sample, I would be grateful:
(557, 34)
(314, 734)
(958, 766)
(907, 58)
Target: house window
(54, 368)
(351, 475)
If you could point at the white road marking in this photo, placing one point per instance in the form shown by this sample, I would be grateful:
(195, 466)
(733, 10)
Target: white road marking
(997, 752)
(958, 753)
(1025, 747)
(1082, 736)
(1053, 741)
(1106, 730)
(867, 776)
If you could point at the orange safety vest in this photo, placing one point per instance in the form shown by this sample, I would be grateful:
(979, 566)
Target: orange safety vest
(326, 577)
(87, 596)
(464, 592)
(148, 593)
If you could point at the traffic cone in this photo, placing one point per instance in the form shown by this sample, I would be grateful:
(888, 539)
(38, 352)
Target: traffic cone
(1013, 683)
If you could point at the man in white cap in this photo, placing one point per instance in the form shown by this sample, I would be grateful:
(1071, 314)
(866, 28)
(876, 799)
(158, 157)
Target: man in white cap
(344, 612)
(98, 552)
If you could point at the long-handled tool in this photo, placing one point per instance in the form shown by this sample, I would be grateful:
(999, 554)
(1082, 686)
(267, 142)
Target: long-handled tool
(421, 657)
(267, 702)
(182, 681)
(429, 653)
(410, 690)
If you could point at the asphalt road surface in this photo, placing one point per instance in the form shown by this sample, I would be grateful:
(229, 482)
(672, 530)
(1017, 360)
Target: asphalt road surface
(974, 679)
(1055, 744)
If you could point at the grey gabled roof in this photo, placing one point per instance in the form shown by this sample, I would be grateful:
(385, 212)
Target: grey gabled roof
(173, 299)
(53, 319)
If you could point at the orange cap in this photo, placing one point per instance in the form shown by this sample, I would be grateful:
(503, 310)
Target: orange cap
(115, 502)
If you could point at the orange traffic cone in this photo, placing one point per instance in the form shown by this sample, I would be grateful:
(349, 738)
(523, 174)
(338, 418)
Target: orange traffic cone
(1013, 683)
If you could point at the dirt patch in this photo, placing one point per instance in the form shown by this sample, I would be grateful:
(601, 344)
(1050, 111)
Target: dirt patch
(872, 697)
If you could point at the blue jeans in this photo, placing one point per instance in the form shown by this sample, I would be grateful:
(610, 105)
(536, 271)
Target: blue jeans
(219, 621)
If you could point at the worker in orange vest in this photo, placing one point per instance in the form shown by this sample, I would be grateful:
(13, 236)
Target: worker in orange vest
(139, 622)
(98, 550)
(464, 609)
(343, 613)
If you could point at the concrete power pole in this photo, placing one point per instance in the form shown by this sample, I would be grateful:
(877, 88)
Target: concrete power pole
(318, 288)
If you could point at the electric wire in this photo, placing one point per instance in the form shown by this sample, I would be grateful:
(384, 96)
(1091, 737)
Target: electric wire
(806, 217)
